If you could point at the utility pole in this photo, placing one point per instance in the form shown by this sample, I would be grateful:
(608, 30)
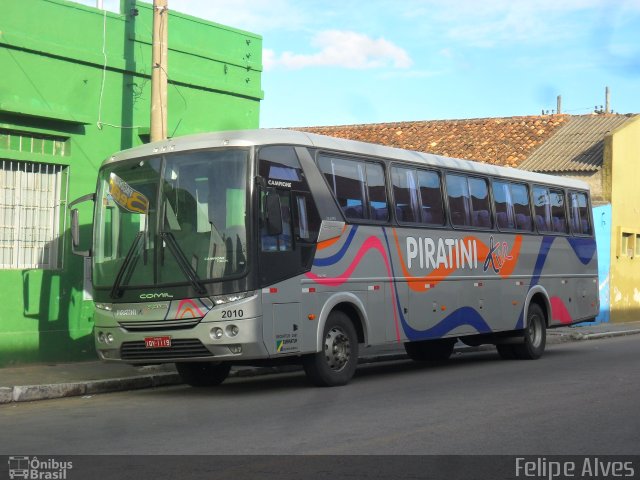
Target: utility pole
(607, 100)
(160, 49)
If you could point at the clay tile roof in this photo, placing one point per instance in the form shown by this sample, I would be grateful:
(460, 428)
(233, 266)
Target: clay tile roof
(578, 146)
(499, 141)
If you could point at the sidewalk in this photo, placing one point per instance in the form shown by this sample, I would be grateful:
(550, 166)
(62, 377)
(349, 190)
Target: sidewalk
(40, 382)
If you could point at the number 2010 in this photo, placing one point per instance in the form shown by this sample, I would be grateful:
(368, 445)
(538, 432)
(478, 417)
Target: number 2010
(232, 313)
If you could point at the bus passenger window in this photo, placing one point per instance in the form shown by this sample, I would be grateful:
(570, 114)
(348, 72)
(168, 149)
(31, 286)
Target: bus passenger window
(378, 207)
(505, 217)
(558, 218)
(431, 196)
(520, 199)
(511, 202)
(347, 180)
(458, 196)
(580, 214)
(542, 209)
(480, 212)
(405, 194)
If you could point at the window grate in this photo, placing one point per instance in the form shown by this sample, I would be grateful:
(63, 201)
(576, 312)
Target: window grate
(31, 195)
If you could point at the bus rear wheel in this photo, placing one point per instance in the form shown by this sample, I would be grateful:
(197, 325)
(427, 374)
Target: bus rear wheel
(430, 350)
(336, 363)
(535, 335)
(203, 374)
(534, 338)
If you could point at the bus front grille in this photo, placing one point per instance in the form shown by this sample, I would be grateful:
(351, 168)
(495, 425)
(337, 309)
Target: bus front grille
(161, 324)
(180, 348)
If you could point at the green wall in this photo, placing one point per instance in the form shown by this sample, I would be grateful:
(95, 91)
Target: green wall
(60, 78)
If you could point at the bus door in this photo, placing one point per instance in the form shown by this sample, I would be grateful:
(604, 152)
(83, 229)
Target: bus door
(288, 228)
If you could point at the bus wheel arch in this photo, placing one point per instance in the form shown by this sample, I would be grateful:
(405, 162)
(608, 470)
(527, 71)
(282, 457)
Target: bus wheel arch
(538, 295)
(353, 308)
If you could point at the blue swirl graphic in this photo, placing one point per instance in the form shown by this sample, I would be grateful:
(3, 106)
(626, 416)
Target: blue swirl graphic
(336, 257)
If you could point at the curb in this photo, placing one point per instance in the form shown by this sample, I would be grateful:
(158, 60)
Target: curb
(28, 393)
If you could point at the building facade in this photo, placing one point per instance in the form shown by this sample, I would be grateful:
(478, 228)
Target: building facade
(74, 88)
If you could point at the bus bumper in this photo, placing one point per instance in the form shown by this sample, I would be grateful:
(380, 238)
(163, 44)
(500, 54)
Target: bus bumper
(207, 342)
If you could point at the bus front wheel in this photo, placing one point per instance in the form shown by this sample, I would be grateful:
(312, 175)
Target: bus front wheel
(203, 374)
(336, 363)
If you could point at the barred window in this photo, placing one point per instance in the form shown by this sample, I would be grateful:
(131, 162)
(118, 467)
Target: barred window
(31, 198)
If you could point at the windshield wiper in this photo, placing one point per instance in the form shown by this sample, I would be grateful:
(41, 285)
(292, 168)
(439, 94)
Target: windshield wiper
(127, 266)
(183, 263)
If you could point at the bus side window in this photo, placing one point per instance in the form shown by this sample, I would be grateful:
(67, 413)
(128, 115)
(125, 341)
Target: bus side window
(377, 192)
(480, 212)
(431, 197)
(558, 216)
(505, 217)
(405, 194)
(579, 214)
(542, 209)
(458, 197)
(346, 178)
(521, 208)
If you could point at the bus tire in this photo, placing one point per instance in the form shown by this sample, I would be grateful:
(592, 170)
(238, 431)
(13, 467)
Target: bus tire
(203, 374)
(336, 363)
(535, 335)
(430, 350)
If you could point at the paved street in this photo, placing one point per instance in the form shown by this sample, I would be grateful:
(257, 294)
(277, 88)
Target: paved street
(580, 398)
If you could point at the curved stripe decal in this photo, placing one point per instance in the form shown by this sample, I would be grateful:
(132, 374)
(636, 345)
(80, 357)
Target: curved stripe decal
(335, 258)
(458, 318)
(559, 310)
(584, 248)
(331, 241)
(371, 243)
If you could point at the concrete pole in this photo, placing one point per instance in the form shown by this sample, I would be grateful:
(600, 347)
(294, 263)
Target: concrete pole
(159, 67)
(559, 104)
(607, 100)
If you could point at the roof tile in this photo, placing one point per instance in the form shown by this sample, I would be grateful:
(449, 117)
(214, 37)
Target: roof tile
(498, 141)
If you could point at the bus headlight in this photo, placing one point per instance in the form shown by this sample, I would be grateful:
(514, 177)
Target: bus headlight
(234, 297)
(101, 337)
(109, 338)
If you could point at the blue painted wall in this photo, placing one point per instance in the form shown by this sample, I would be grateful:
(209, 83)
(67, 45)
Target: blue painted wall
(602, 223)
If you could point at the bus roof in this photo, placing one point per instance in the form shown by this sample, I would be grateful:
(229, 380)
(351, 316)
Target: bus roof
(248, 138)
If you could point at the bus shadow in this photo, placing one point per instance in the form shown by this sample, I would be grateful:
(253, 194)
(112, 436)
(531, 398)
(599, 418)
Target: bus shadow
(296, 380)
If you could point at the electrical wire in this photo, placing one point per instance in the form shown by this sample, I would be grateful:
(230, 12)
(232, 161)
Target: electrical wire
(100, 123)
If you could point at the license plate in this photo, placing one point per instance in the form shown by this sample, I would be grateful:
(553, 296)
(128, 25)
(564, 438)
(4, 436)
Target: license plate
(157, 342)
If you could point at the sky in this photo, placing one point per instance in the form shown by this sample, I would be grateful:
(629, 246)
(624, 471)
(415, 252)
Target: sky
(373, 61)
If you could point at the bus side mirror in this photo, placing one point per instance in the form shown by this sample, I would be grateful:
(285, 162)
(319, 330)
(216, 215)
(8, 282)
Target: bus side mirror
(75, 226)
(75, 229)
(274, 213)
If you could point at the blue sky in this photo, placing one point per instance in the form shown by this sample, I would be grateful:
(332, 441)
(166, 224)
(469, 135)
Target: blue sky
(344, 62)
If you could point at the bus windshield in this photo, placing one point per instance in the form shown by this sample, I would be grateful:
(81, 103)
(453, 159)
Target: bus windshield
(179, 218)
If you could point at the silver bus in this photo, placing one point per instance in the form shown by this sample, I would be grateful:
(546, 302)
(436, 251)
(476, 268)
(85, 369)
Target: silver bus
(267, 247)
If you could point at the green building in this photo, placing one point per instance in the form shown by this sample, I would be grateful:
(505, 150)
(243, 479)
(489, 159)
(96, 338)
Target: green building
(74, 87)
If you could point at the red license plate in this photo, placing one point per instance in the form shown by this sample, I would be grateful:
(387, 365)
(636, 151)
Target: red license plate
(157, 342)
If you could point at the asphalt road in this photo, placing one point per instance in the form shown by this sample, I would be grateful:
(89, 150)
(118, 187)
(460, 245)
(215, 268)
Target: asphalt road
(580, 398)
